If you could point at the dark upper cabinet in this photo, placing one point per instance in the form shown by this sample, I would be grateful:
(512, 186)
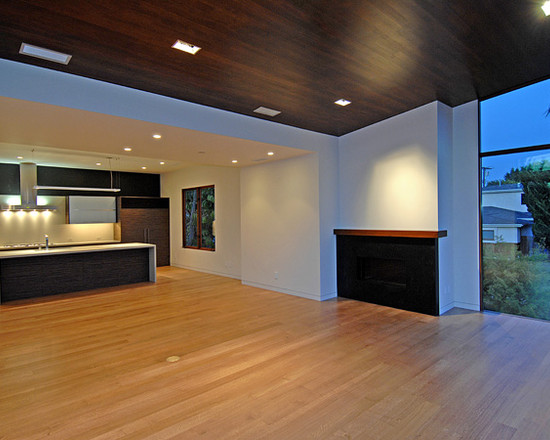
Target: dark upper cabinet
(130, 184)
(146, 220)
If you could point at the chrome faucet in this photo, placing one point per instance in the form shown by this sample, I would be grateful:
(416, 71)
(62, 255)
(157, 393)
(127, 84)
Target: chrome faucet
(47, 241)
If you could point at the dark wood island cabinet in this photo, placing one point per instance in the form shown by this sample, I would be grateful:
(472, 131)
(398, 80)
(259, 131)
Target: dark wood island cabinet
(35, 273)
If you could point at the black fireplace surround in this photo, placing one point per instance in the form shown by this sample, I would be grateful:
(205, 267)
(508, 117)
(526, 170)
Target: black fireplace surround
(398, 270)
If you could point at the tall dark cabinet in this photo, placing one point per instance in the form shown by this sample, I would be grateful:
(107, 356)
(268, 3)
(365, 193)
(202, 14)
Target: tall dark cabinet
(146, 220)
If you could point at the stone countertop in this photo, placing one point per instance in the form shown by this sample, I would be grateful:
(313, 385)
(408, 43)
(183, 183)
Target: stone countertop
(17, 247)
(72, 250)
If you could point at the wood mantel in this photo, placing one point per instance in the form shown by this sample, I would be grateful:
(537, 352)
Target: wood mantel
(386, 233)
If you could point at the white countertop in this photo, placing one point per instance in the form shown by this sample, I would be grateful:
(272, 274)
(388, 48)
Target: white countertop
(73, 250)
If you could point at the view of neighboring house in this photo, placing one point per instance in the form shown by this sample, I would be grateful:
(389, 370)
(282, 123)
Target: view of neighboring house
(506, 220)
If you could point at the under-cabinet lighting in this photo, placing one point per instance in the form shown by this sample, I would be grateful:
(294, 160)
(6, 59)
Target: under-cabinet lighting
(76, 188)
(44, 54)
(186, 47)
(546, 8)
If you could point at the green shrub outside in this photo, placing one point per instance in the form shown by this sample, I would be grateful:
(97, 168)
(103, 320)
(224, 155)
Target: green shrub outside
(517, 284)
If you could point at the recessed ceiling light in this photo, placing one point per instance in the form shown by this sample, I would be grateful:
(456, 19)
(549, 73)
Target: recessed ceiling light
(157, 136)
(546, 8)
(234, 161)
(162, 163)
(343, 102)
(267, 111)
(186, 47)
(19, 157)
(143, 168)
(270, 153)
(44, 54)
(127, 148)
(98, 164)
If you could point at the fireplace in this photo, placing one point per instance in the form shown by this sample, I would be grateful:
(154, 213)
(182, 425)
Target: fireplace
(391, 268)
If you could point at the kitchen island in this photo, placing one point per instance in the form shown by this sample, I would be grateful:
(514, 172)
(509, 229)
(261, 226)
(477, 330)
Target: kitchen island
(42, 272)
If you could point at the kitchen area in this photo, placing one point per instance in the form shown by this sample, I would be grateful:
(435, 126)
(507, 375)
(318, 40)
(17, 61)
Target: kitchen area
(65, 230)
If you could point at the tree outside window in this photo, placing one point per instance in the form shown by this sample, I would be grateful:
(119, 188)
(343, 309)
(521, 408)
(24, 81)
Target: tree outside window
(199, 216)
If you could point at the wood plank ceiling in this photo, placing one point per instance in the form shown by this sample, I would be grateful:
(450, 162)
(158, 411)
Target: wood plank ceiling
(296, 56)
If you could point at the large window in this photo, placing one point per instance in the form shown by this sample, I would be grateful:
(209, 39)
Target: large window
(515, 201)
(198, 214)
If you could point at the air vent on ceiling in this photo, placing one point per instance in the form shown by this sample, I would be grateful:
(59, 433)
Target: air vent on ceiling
(44, 54)
(267, 111)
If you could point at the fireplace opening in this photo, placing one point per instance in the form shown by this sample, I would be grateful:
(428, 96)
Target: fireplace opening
(389, 272)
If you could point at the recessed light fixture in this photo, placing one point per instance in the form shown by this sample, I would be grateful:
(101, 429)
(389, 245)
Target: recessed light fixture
(19, 157)
(98, 164)
(234, 161)
(157, 136)
(343, 102)
(143, 168)
(127, 148)
(270, 153)
(162, 163)
(186, 47)
(546, 8)
(267, 111)
(44, 54)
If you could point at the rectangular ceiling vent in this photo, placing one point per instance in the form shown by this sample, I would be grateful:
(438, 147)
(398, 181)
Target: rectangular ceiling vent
(267, 111)
(44, 54)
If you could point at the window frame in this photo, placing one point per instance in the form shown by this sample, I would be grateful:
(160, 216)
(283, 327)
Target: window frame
(199, 217)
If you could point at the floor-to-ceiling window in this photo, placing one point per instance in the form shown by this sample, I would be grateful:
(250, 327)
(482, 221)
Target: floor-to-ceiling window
(515, 201)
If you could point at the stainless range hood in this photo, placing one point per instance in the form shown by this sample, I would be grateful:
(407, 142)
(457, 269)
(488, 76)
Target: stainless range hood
(27, 185)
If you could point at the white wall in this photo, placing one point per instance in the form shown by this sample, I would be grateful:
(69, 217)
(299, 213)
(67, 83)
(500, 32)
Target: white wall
(387, 176)
(329, 211)
(226, 259)
(388, 173)
(466, 280)
(445, 180)
(280, 226)
(419, 171)
(33, 83)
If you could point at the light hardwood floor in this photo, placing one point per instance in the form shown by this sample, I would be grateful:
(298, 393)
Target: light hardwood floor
(256, 364)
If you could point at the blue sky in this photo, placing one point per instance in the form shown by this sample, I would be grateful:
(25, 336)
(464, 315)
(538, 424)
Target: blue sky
(513, 120)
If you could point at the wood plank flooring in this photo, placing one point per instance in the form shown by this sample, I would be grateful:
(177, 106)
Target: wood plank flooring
(258, 365)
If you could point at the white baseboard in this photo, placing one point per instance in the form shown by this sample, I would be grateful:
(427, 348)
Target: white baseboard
(460, 305)
(281, 290)
(211, 272)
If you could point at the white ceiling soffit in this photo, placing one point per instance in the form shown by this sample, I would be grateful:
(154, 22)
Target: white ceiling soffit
(59, 136)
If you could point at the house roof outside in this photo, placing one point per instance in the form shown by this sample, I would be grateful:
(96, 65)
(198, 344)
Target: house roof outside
(493, 215)
(507, 187)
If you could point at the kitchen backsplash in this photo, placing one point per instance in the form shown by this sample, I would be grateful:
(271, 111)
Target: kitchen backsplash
(30, 227)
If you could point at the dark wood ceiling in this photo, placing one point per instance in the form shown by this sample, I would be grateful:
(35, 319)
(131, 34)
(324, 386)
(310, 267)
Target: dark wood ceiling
(296, 56)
